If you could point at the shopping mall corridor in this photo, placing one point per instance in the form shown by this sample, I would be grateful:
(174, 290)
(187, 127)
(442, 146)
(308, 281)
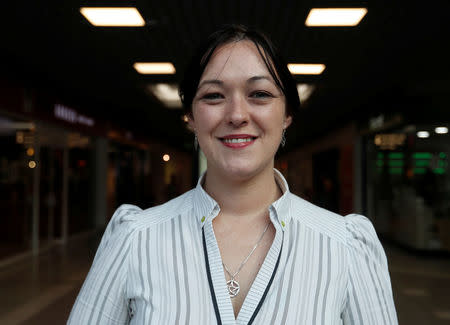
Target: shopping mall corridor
(42, 290)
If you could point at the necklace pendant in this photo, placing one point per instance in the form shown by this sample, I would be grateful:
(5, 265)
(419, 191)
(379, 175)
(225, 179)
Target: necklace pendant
(233, 287)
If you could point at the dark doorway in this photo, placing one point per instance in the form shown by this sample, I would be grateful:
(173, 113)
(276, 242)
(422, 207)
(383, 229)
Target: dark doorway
(325, 179)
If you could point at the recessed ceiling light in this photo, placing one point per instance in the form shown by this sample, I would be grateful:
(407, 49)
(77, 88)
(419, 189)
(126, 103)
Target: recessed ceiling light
(304, 91)
(423, 134)
(297, 68)
(335, 16)
(441, 130)
(167, 94)
(114, 16)
(154, 67)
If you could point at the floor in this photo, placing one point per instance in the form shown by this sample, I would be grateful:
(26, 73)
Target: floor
(42, 290)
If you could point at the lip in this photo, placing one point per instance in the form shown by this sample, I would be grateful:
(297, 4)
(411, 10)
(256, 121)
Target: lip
(237, 145)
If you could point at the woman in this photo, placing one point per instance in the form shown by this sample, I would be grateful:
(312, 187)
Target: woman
(239, 248)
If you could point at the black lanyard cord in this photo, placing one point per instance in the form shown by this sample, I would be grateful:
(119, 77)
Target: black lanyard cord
(211, 287)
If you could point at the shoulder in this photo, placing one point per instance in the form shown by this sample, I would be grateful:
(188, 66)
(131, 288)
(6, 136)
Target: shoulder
(129, 219)
(349, 229)
(362, 240)
(318, 219)
(121, 223)
(142, 219)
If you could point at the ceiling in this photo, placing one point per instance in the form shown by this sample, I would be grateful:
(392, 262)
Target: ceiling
(395, 61)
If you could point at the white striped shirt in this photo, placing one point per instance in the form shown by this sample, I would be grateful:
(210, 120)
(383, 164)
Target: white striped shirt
(163, 266)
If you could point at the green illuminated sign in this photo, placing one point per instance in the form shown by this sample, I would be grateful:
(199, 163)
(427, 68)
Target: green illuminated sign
(396, 155)
(419, 171)
(422, 155)
(439, 171)
(395, 170)
(395, 163)
(422, 163)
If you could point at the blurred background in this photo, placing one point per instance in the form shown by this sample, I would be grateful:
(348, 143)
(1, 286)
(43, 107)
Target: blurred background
(90, 119)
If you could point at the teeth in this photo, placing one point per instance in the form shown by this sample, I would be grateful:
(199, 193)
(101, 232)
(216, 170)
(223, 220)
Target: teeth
(237, 140)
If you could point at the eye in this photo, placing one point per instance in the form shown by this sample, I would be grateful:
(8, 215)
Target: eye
(260, 94)
(212, 96)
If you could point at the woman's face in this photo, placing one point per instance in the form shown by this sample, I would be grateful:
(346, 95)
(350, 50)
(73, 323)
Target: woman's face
(238, 112)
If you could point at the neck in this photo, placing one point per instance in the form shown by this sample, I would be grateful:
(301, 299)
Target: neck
(247, 197)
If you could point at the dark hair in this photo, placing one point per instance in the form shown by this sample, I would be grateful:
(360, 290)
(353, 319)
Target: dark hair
(229, 33)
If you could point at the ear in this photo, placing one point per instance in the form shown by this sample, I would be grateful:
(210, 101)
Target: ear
(287, 121)
(191, 122)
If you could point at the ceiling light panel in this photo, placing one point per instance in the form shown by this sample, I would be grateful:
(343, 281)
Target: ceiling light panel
(113, 17)
(167, 94)
(423, 134)
(335, 16)
(297, 68)
(154, 67)
(441, 130)
(304, 91)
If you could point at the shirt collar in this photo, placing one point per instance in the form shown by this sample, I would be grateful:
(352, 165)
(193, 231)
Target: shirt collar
(205, 206)
(282, 206)
(203, 203)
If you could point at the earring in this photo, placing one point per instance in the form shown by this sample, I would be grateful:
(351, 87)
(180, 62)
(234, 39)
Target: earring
(283, 138)
(195, 142)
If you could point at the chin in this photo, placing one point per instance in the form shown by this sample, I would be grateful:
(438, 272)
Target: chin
(243, 171)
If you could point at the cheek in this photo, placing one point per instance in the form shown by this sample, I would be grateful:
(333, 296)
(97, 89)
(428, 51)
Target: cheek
(206, 119)
(271, 120)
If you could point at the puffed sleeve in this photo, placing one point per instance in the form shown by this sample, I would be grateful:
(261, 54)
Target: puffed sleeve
(102, 298)
(369, 291)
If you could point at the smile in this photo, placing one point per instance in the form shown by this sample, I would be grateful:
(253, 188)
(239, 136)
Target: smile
(237, 141)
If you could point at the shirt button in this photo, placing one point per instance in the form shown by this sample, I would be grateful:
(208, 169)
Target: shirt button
(283, 224)
(203, 219)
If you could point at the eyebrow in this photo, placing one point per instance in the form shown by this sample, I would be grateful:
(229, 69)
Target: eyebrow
(211, 81)
(220, 82)
(256, 78)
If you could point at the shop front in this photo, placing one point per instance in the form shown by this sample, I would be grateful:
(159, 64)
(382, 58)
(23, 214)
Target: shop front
(408, 185)
(46, 183)
(64, 172)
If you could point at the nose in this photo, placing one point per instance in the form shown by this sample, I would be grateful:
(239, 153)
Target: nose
(238, 111)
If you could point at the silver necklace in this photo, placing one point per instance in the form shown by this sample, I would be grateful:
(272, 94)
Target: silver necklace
(232, 284)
